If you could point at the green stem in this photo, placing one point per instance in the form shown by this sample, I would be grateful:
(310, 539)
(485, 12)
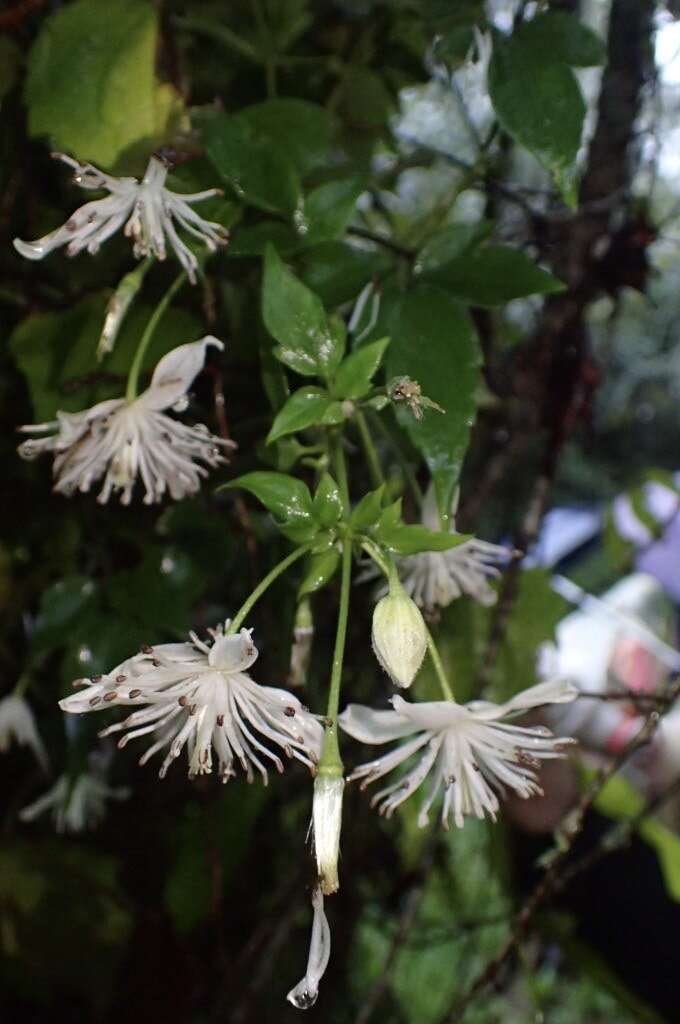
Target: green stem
(331, 762)
(374, 467)
(133, 376)
(403, 462)
(438, 667)
(263, 585)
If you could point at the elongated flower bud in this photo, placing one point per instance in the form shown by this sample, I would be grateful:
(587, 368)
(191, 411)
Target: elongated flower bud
(399, 635)
(327, 818)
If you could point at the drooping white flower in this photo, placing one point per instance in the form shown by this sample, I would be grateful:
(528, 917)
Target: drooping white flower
(471, 752)
(306, 992)
(326, 822)
(398, 635)
(123, 440)
(436, 578)
(201, 697)
(17, 725)
(76, 804)
(150, 212)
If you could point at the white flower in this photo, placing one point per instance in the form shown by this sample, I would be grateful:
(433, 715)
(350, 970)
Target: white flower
(436, 578)
(76, 804)
(305, 993)
(327, 819)
(469, 751)
(123, 440)
(201, 697)
(17, 725)
(399, 635)
(150, 212)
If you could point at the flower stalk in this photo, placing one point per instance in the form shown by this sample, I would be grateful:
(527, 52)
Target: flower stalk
(264, 584)
(149, 331)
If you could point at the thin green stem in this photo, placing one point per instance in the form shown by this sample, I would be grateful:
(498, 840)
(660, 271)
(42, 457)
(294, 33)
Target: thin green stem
(133, 376)
(264, 585)
(438, 667)
(374, 467)
(403, 462)
(331, 762)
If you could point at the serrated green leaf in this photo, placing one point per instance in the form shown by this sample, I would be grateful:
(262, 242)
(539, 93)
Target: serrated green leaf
(320, 569)
(295, 317)
(306, 407)
(92, 84)
(539, 104)
(368, 510)
(254, 168)
(493, 275)
(327, 502)
(354, 375)
(434, 343)
(287, 498)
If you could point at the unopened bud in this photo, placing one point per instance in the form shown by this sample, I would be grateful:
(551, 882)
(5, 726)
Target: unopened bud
(301, 649)
(327, 818)
(399, 635)
(117, 308)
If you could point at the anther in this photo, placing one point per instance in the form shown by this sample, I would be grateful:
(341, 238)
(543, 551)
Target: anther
(111, 695)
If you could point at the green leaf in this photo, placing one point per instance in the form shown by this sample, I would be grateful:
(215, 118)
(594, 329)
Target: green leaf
(337, 271)
(287, 498)
(327, 503)
(301, 130)
(259, 172)
(329, 209)
(449, 244)
(558, 36)
(61, 605)
(364, 100)
(434, 343)
(493, 275)
(306, 407)
(354, 375)
(539, 104)
(368, 510)
(405, 539)
(252, 241)
(295, 317)
(92, 84)
(320, 569)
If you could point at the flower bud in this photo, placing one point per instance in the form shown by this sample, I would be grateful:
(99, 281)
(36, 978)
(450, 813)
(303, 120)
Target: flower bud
(327, 818)
(399, 635)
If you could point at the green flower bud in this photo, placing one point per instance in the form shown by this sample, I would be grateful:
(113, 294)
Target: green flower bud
(399, 635)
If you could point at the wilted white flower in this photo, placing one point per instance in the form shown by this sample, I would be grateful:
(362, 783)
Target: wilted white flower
(123, 440)
(150, 212)
(469, 751)
(436, 578)
(306, 992)
(76, 803)
(17, 725)
(200, 696)
(327, 819)
(399, 635)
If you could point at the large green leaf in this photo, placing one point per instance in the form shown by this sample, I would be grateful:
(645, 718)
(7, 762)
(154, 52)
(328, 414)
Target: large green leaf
(493, 275)
(329, 209)
(92, 84)
(256, 169)
(559, 36)
(295, 317)
(539, 103)
(434, 343)
(301, 130)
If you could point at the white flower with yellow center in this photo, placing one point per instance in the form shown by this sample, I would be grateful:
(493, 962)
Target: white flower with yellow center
(122, 440)
(200, 696)
(470, 752)
(436, 578)
(150, 212)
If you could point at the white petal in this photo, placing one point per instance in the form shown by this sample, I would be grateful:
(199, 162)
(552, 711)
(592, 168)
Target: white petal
(553, 691)
(369, 726)
(305, 993)
(175, 373)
